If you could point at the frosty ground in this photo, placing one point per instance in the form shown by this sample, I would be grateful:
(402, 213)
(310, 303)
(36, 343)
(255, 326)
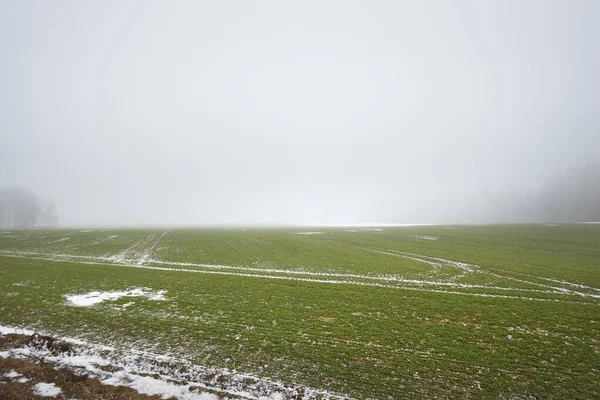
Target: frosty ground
(401, 312)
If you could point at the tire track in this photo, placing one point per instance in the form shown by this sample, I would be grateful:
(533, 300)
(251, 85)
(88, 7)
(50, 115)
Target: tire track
(388, 282)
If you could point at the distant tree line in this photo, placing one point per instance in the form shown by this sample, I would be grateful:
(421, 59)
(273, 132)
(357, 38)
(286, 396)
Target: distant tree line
(572, 196)
(21, 209)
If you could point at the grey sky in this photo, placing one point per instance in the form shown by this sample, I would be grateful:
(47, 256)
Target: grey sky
(200, 112)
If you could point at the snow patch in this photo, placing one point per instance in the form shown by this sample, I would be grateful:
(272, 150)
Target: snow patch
(274, 396)
(152, 386)
(427, 237)
(12, 374)
(46, 390)
(9, 330)
(92, 298)
(307, 233)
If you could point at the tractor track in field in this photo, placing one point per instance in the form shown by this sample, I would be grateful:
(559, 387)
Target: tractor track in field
(468, 268)
(548, 293)
(139, 255)
(140, 250)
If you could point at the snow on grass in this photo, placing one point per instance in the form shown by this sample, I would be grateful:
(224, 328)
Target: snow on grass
(274, 396)
(59, 240)
(106, 239)
(10, 330)
(162, 375)
(92, 298)
(307, 233)
(152, 386)
(12, 374)
(349, 278)
(46, 390)
(427, 237)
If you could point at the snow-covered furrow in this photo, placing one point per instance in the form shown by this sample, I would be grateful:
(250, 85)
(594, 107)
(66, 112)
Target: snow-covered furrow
(161, 375)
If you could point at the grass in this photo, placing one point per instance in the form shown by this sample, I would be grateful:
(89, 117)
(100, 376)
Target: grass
(509, 324)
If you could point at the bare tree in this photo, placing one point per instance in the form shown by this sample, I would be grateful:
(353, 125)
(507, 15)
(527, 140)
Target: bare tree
(50, 216)
(19, 208)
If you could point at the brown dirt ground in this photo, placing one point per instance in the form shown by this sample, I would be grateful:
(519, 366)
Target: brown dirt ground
(73, 385)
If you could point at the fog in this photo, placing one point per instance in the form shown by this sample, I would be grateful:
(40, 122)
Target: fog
(311, 112)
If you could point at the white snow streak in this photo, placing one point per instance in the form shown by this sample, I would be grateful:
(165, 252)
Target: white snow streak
(152, 386)
(59, 240)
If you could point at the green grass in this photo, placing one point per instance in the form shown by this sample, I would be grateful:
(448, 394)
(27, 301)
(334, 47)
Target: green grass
(396, 340)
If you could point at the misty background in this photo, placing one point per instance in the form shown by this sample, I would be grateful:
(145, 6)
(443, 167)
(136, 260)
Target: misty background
(312, 112)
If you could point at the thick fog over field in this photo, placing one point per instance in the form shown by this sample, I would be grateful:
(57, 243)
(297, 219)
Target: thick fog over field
(311, 112)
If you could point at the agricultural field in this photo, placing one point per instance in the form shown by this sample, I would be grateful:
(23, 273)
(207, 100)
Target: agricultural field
(502, 311)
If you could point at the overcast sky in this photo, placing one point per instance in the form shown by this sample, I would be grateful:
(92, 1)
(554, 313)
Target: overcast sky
(204, 112)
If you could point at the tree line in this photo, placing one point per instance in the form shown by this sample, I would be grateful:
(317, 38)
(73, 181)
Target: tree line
(571, 196)
(21, 209)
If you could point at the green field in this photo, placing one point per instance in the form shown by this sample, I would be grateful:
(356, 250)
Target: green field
(504, 311)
